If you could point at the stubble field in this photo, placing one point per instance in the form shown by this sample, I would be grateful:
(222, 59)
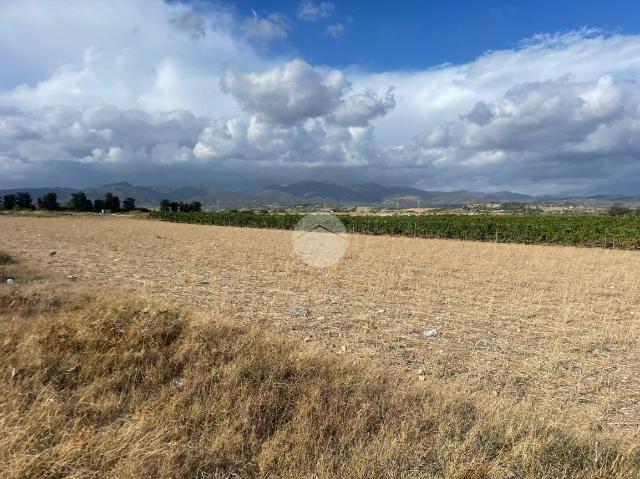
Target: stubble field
(557, 328)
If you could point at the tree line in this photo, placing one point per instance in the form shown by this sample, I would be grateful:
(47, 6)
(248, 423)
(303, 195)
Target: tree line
(179, 206)
(77, 202)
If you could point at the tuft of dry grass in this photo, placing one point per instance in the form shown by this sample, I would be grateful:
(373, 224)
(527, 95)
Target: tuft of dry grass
(133, 388)
(4, 258)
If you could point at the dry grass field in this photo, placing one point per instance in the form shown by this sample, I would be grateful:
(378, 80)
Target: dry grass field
(553, 330)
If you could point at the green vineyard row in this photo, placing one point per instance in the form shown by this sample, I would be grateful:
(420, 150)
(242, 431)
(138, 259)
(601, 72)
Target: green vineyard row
(577, 230)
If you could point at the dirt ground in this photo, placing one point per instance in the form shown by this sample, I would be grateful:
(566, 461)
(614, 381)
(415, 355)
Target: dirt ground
(554, 327)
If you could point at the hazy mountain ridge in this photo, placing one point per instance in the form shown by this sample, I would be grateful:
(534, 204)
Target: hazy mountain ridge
(316, 192)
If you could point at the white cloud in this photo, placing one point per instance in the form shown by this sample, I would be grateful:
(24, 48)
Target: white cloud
(289, 93)
(359, 109)
(192, 23)
(310, 11)
(117, 85)
(133, 54)
(335, 30)
(263, 31)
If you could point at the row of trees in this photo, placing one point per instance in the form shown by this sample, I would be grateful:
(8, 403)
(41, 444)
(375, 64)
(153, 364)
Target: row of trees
(175, 206)
(78, 202)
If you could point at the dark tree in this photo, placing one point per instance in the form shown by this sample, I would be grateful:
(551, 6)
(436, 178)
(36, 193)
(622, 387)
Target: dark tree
(80, 202)
(195, 206)
(49, 202)
(98, 206)
(111, 202)
(9, 202)
(24, 201)
(165, 205)
(174, 206)
(129, 204)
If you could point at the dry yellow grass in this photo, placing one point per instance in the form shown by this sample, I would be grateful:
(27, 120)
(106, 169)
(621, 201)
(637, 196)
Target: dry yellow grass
(555, 329)
(102, 387)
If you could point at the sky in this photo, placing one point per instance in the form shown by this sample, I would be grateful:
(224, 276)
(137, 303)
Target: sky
(534, 97)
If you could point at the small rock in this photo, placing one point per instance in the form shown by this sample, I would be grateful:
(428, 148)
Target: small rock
(380, 311)
(320, 318)
(14, 373)
(158, 237)
(431, 333)
(298, 312)
(344, 349)
(11, 281)
(421, 372)
(72, 277)
(307, 339)
(422, 377)
(52, 253)
(204, 282)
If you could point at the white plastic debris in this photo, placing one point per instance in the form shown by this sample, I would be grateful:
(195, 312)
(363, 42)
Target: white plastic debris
(11, 281)
(431, 333)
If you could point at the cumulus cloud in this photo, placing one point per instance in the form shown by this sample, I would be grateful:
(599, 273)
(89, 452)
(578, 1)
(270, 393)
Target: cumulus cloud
(335, 30)
(120, 86)
(133, 54)
(288, 93)
(263, 30)
(97, 135)
(360, 108)
(564, 133)
(313, 144)
(309, 11)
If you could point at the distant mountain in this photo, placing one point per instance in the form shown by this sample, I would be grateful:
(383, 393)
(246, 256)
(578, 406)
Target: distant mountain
(317, 193)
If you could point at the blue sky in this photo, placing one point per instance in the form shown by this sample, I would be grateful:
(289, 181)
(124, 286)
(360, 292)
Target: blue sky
(536, 97)
(384, 35)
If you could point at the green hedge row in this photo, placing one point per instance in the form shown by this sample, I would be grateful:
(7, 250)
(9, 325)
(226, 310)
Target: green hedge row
(578, 230)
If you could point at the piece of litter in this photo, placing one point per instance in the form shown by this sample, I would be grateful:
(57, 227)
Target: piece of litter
(431, 333)
(11, 281)
(72, 277)
(52, 253)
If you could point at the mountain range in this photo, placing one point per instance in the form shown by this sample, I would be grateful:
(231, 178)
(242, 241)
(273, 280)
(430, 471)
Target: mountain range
(316, 193)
